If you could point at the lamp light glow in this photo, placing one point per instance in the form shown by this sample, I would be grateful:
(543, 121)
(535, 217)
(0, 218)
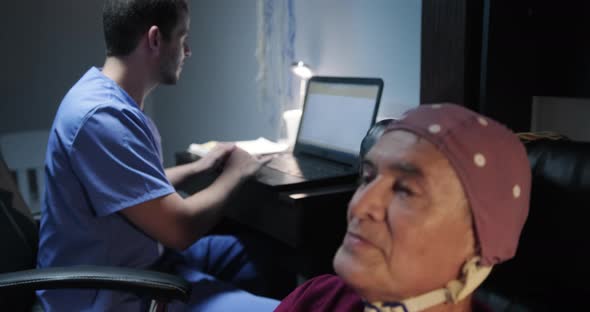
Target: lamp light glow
(302, 70)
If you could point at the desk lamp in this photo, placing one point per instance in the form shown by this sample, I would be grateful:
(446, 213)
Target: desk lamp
(302, 71)
(293, 116)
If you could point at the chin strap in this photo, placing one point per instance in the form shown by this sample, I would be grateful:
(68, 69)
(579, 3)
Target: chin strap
(472, 276)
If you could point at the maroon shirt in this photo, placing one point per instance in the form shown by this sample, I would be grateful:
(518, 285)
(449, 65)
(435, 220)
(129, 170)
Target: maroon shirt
(322, 293)
(329, 293)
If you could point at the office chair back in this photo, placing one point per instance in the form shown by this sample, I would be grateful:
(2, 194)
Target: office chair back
(550, 271)
(18, 239)
(24, 153)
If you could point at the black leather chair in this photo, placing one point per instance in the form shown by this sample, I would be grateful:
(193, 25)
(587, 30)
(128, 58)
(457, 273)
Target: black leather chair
(551, 269)
(19, 279)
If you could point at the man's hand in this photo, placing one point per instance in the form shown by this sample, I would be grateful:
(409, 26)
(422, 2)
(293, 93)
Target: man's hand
(243, 164)
(215, 158)
(211, 161)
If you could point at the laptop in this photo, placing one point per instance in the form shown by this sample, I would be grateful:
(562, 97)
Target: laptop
(337, 113)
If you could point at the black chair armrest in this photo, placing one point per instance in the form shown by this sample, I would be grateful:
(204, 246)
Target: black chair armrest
(159, 286)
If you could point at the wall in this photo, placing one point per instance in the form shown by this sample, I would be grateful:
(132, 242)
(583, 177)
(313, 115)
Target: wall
(378, 38)
(217, 96)
(567, 116)
(46, 47)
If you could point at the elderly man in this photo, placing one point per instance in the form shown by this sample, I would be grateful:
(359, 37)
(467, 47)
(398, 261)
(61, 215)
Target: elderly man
(444, 194)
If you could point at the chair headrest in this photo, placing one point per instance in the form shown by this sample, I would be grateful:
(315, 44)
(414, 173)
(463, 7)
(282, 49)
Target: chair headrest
(551, 263)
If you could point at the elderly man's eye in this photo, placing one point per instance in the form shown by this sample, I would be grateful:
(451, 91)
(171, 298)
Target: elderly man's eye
(365, 178)
(401, 188)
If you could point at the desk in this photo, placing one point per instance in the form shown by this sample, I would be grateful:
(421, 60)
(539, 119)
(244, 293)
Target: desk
(312, 221)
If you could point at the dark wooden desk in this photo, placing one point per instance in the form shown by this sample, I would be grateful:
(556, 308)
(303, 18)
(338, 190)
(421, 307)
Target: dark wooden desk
(312, 221)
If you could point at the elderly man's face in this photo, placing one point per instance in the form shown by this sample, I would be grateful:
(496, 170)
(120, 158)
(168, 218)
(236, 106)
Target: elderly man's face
(409, 226)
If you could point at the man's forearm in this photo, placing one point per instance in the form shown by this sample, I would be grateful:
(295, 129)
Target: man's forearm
(178, 223)
(206, 206)
(178, 174)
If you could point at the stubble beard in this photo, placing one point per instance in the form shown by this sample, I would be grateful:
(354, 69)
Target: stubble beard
(168, 76)
(169, 72)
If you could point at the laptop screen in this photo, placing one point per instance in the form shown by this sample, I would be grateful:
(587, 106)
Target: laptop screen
(338, 112)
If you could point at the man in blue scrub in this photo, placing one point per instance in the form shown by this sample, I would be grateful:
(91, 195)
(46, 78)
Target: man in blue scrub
(109, 201)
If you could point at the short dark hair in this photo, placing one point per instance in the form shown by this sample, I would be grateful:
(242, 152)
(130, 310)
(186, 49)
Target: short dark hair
(373, 135)
(125, 21)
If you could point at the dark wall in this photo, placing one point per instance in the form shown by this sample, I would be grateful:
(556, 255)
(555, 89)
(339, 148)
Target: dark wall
(494, 55)
(46, 47)
(506, 77)
(451, 46)
(561, 50)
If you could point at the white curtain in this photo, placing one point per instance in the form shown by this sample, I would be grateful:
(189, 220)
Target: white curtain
(275, 54)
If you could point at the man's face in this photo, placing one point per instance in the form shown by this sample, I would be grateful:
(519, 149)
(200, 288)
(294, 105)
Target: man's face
(409, 227)
(174, 51)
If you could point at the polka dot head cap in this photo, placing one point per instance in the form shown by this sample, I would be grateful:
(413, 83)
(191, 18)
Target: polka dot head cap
(491, 164)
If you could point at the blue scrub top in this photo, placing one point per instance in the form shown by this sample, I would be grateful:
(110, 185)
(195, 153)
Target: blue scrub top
(103, 155)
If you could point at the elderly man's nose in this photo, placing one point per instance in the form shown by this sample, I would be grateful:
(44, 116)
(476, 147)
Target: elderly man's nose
(370, 202)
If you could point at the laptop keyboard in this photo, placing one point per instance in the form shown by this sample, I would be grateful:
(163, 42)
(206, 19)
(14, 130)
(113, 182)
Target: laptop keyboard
(303, 166)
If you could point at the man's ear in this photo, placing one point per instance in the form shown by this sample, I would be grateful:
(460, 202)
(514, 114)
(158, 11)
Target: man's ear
(154, 37)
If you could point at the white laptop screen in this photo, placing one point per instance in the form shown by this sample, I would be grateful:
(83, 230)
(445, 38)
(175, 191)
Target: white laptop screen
(337, 115)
